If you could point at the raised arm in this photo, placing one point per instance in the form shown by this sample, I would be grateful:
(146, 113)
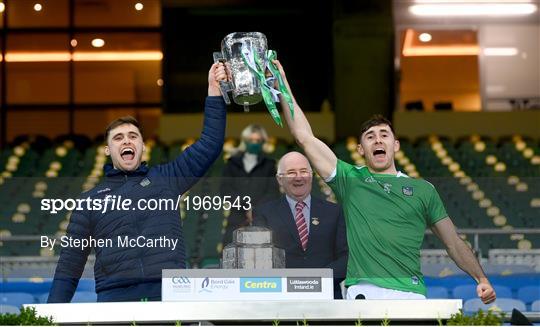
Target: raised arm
(195, 161)
(464, 258)
(318, 153)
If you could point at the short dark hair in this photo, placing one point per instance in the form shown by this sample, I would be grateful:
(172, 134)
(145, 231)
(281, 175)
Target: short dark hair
(374, 121)
(121, 121)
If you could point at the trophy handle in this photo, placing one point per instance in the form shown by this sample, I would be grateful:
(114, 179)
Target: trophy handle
(224, 86)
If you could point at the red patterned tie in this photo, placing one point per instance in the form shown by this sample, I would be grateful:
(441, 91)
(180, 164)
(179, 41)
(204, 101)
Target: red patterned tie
(301, 224)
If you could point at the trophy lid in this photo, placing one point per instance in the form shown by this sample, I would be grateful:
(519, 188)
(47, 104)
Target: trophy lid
(254, 235)
(236, 36)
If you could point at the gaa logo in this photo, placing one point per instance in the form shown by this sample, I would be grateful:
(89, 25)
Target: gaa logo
(181, 280)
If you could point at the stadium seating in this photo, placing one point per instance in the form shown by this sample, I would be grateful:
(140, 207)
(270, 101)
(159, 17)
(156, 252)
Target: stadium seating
(437, 292)
(86, 285)
(475, 176)
(84, 297)
(24, 285)
(16, 299)
(484, 183)
(529, 294)
(535, 306)
(501, 304)
(78, 297)
(9, 309)
(467, 292)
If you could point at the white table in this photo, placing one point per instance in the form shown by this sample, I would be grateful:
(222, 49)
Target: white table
(319, 310)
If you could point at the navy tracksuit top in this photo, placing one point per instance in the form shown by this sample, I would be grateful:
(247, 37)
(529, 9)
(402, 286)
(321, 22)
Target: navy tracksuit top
(133, 273)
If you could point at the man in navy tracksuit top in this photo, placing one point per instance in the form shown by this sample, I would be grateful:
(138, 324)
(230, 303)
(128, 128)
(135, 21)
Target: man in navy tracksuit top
(132, 273)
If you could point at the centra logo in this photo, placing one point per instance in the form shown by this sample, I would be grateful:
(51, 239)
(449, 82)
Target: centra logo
(260, 284)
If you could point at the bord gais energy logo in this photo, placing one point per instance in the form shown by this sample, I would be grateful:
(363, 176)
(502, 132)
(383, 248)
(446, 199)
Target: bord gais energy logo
(210, 285)
(260, 284)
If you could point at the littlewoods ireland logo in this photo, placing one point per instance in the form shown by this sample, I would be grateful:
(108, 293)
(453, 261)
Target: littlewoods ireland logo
(304, 284)
(260, 284)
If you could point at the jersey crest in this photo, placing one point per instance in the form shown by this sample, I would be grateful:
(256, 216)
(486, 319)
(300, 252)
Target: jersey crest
(407, 190)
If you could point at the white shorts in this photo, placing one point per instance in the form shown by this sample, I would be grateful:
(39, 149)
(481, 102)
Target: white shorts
(373, 292)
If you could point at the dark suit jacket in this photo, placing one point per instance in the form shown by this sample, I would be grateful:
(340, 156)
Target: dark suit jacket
(327, 242)
(259, 184)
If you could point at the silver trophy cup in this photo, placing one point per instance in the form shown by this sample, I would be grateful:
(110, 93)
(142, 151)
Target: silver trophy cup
(236, 48)
(252, 248)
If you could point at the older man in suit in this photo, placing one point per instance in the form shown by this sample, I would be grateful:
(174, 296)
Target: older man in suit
(311, 230)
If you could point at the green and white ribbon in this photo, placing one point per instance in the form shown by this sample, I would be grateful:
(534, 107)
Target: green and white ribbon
(271, 55)
(269, 93)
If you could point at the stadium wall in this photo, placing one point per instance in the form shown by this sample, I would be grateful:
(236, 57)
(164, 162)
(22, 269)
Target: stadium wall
(457, 124)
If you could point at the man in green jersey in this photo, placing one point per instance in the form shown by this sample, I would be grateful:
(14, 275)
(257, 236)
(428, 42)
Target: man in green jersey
(386, 214)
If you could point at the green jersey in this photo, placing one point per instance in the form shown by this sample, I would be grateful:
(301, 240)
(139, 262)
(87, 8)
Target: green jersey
(386, 216)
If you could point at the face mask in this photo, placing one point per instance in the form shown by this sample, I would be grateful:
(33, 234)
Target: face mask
(254, 148)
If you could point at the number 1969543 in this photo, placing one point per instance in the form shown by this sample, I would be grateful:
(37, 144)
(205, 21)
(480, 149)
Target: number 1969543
(225, 202)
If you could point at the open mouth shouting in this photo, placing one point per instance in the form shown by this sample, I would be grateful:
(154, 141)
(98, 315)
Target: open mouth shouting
(127, 154)
(379, 154)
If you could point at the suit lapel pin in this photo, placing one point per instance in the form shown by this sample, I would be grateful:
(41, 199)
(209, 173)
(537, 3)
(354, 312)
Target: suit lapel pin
(315, 221)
